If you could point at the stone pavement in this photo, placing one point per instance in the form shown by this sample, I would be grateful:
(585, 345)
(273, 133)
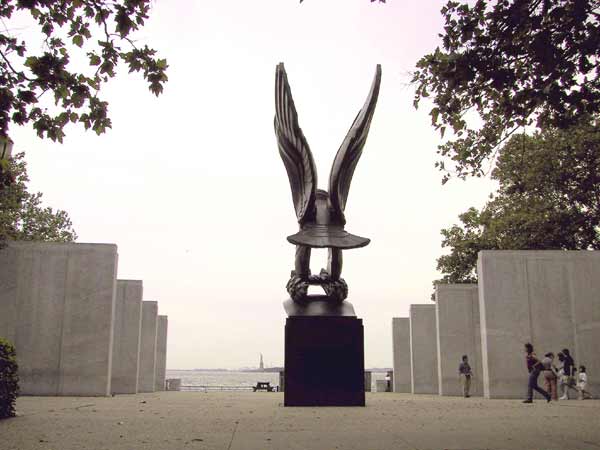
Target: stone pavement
(247, 420)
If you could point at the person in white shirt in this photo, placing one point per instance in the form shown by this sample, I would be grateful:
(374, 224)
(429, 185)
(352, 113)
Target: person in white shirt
(582, 384)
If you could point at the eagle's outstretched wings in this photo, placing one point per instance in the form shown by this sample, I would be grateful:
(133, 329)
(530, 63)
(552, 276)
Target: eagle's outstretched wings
(349, 152)
(294, 150)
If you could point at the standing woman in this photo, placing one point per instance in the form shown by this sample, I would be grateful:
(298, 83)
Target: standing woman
(534, 367)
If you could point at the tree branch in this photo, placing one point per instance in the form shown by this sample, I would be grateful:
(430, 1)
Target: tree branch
(16, 72)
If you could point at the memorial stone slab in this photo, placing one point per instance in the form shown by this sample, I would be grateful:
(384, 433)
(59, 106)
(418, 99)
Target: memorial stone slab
(147, 374)
(546, 297)
(458, 334)
(423, 349)
(161, 352)
(57, 302)
(401, 350)
(127, 335)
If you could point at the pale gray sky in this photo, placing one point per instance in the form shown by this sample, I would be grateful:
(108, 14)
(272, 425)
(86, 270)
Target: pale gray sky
(191, 188)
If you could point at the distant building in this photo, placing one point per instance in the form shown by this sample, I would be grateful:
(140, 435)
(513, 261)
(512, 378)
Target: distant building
(261, 365)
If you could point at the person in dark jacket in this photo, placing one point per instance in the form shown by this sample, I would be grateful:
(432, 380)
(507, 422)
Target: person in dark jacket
(534, 367)
(568, 376)
(465, 373)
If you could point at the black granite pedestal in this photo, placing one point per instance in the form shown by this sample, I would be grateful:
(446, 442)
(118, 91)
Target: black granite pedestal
(324, 361)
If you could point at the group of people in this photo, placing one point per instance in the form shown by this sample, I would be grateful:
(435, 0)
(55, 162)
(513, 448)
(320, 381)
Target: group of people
(566, 377)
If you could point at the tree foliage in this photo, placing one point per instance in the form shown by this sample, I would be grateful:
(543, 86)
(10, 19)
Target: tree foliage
(22, 215)
(505, 65)
(98, 32)
(380, 1)
(548, 198)
(9, 379)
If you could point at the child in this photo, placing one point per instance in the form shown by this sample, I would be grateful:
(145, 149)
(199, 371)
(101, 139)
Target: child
(582, 384)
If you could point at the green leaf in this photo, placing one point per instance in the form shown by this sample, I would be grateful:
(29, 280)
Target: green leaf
(434, 113)
(31, 61)
(513, 62)
(543, 201)
(46, 67)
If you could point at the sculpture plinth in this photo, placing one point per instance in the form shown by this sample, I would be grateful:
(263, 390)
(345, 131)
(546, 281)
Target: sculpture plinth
(324, 350)
(324, 361)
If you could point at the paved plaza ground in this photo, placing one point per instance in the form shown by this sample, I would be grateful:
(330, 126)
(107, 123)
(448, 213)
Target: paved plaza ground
(247, 420)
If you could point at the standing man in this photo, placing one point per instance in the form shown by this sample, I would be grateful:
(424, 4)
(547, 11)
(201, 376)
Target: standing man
(465, 374)
(549, 375)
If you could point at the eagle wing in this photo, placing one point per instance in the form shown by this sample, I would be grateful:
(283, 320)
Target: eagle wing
(349, 152)
(294, 150)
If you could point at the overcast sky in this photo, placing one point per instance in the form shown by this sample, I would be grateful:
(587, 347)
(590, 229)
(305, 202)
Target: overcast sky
(191, 187)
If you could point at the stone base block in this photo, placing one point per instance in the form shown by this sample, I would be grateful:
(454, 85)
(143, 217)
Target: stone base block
(381, 386)
(324, 361)
(368, 379)
(173, 384)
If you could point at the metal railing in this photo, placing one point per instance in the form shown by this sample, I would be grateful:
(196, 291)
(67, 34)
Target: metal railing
(211, 388)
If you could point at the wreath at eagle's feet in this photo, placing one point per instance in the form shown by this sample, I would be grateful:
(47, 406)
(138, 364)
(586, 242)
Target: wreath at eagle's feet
(297, 287)
(335, 290)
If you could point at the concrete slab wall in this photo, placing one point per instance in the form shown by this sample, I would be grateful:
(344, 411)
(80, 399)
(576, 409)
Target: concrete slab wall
(401, 350)
(458, 334)
(127, 333)
(585, 294)
(9, 287)
(147, 373)
(57, 303)
(548, 298)
(423, 349)
(161, 353)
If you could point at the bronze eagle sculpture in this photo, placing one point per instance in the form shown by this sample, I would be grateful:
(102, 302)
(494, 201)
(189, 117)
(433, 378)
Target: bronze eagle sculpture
(320, 213)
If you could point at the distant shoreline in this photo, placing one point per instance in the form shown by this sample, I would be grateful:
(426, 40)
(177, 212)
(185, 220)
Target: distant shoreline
(266, 369)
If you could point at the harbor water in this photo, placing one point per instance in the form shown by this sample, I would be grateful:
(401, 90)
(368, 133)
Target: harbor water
(233, 379)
